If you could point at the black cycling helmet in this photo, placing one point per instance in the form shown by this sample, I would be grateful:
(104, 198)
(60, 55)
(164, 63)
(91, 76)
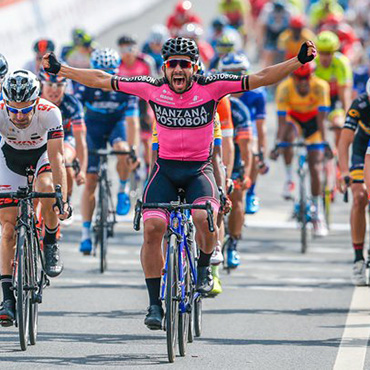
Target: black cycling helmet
(180, 46)
(127, 39)
(43, 46)
(3, 67)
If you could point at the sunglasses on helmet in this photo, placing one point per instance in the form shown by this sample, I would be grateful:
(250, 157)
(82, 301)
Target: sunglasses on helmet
(21, 110)
(173, 63)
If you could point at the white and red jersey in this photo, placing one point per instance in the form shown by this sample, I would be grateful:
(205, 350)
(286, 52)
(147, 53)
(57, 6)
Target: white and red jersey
(46, 124)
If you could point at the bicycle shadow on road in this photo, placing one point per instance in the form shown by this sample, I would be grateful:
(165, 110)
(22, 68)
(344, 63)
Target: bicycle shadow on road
(9, 345)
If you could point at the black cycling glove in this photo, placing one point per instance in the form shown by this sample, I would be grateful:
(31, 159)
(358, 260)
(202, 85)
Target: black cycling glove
(54, 64)
(302, 55)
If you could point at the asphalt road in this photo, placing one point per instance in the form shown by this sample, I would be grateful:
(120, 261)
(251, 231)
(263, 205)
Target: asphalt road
(279, 310)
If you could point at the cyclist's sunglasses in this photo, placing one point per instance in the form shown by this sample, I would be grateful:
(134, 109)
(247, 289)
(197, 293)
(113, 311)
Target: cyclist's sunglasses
(21, 110)
(173, 63)
(54, 84)
(302, 78)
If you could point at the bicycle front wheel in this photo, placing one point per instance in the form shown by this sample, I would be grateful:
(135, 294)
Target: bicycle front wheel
(303, 218)
(37, 280)
(184, 317)
(22, 283)
(103, 225)
(198, 317)
(171, 298)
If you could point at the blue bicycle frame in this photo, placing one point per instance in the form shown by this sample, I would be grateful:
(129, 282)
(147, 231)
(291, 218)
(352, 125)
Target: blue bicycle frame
(178, 220)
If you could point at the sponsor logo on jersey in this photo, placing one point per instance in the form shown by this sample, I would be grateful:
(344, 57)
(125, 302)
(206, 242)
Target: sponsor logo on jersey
(148, 79)
(354, 113)
(183, 118)
(25, 142)
(45, 107)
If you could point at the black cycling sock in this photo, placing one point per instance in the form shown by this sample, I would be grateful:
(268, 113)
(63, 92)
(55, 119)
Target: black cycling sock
(358, 248)
(6, 284)
(204, 259)
(50, 235)
(154, 286)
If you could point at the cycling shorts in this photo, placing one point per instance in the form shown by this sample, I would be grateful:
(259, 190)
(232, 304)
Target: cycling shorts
(359, 148)
(13, 164)
(309, 130)
(97, 137)
(196, 178)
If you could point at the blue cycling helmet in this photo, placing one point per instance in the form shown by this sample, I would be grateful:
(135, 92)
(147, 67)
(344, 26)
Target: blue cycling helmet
(106, 59)
(47, 77)
(234, 62)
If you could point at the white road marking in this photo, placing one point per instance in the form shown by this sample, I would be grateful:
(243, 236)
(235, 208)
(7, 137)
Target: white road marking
(353, 346)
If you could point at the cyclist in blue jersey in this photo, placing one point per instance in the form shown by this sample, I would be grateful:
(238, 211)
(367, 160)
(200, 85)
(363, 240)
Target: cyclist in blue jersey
(105, 117)
(255, 101)
(361, 74)
(153, 45)
(75, 147)
(243, 158)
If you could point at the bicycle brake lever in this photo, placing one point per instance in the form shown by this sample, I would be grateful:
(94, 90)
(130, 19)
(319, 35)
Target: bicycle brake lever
(59, 199)
(137, 216)
(211, 225)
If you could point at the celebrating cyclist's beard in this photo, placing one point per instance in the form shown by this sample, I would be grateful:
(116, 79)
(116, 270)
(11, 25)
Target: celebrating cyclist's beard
(180, 81)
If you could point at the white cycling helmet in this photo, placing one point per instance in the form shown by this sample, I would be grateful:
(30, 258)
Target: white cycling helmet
(233, 62)
(21, 86)
(106, 59)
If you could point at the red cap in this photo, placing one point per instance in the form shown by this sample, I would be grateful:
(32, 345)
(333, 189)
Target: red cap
(298, 21)
(305, 71)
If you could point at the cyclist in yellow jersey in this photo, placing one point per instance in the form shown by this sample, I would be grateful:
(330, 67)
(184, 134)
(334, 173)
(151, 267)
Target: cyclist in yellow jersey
(335, 68)
(302, 103)
(291, 39)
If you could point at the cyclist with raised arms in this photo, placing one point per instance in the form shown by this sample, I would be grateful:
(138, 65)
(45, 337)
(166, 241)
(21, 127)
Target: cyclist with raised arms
(184, 105)
(303, 102)
(75, 147)
(356, 132)
(110, 117)
(31, 136)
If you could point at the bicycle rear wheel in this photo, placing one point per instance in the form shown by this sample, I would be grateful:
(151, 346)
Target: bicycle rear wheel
(184, 317)
(21, 279)
(103, 225)
(171, 298)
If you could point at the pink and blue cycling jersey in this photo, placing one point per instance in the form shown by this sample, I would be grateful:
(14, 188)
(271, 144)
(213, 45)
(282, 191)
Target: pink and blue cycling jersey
(184, 123)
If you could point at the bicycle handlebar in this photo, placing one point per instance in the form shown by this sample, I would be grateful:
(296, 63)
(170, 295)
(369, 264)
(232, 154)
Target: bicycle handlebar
(22, 193)
(107, 152)
(285, 144)
(172, 207)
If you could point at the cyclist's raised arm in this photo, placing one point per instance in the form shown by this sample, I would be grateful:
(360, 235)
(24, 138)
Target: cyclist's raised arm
(89, 77)
(278, 72)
